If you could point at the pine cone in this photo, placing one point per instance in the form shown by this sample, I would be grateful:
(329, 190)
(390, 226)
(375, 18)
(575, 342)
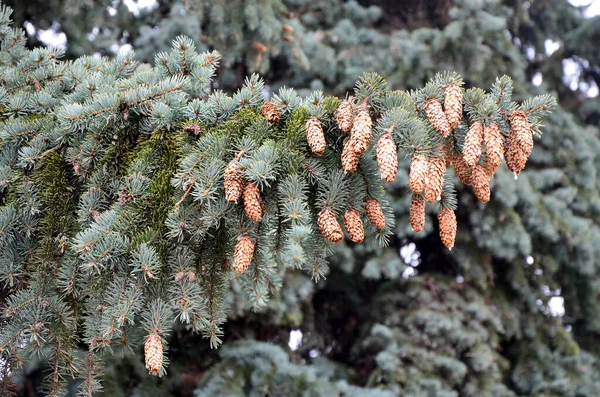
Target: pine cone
(244, 251)
(494, 148)
(481, 183)
(417, 213)
(462, 169)
(447, 220)
(387, 157)
(345, 116)
(453, 105)
(362, 131)
(375, 213)
(523, 135)
(354, 225)
(418, 173)
(349, 157)
(315, 136)
(436, 170)
(234, 182)
(473, 141)
(252, 202)
(515, 158)
(271, 112)
(153, 354)
(329, 226)
(437, 118)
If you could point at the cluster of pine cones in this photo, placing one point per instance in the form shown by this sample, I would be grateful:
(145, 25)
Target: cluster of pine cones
(427, 174)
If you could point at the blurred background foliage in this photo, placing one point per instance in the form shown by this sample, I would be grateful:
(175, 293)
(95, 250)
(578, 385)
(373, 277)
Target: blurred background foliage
(513, 309)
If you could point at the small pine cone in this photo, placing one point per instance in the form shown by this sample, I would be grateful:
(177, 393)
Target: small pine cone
(520, 127)
(494, 148)
(481, 183)
(354, 225)
(515, 158)
(362, 131)
(234, 182)
(417, 213)
(462, 169)
(329, 226)
(252, 202)
(437, 118)
(387, 157)
(345, 116)
(473, 141)
(418, 173)
(436, 170)
(453, 105)
(447, 220)
(153, 353)
(271, 112)
(349, 156)
(315, 136)
(244, 251)
(375, 213)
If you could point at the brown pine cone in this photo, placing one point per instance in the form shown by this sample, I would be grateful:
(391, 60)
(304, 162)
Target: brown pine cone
(481, 183)
(417, 213)
(349, 157)
(375, 214)
(354, 225)
(315, 136)
(387, 157)
(252, 202)
(234, 182)
(461, 168)
(418, 173)
(523, 135)
(494, 148)
(435, 179)
(437, 117)
(515, 158)
(153, 354)
(473, 141)
(244, 252)
(271, 112)
(345, 116)
(447, 220)
(453, 105)
(362, 131)
(329, 226)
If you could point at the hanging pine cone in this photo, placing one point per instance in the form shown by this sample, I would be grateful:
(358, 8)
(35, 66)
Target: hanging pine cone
(271, 112)
(345, 115)
(244, 251)
(375, 213)
(453, 105)
(417, 213)
(362, 131)
(473, 141)
(354, 225)
(515, 158)
(461, 168)
(494, 148)
(418, 173)
(252, 202)
(349, 157)
(436, 170)
(481, 183)
(153, 354)
(234, 182)
(447, 220)
(437, 118)
(315, 136)
(329, 226)
(522, 131)
(387, 157)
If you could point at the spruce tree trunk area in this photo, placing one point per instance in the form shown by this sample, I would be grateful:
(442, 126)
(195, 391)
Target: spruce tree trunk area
(410, 319)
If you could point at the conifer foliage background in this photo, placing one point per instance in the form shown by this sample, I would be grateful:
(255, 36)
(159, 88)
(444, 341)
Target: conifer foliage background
(472, 321)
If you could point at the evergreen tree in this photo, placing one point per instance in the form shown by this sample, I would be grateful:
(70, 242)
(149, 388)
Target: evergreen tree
(472, 322)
